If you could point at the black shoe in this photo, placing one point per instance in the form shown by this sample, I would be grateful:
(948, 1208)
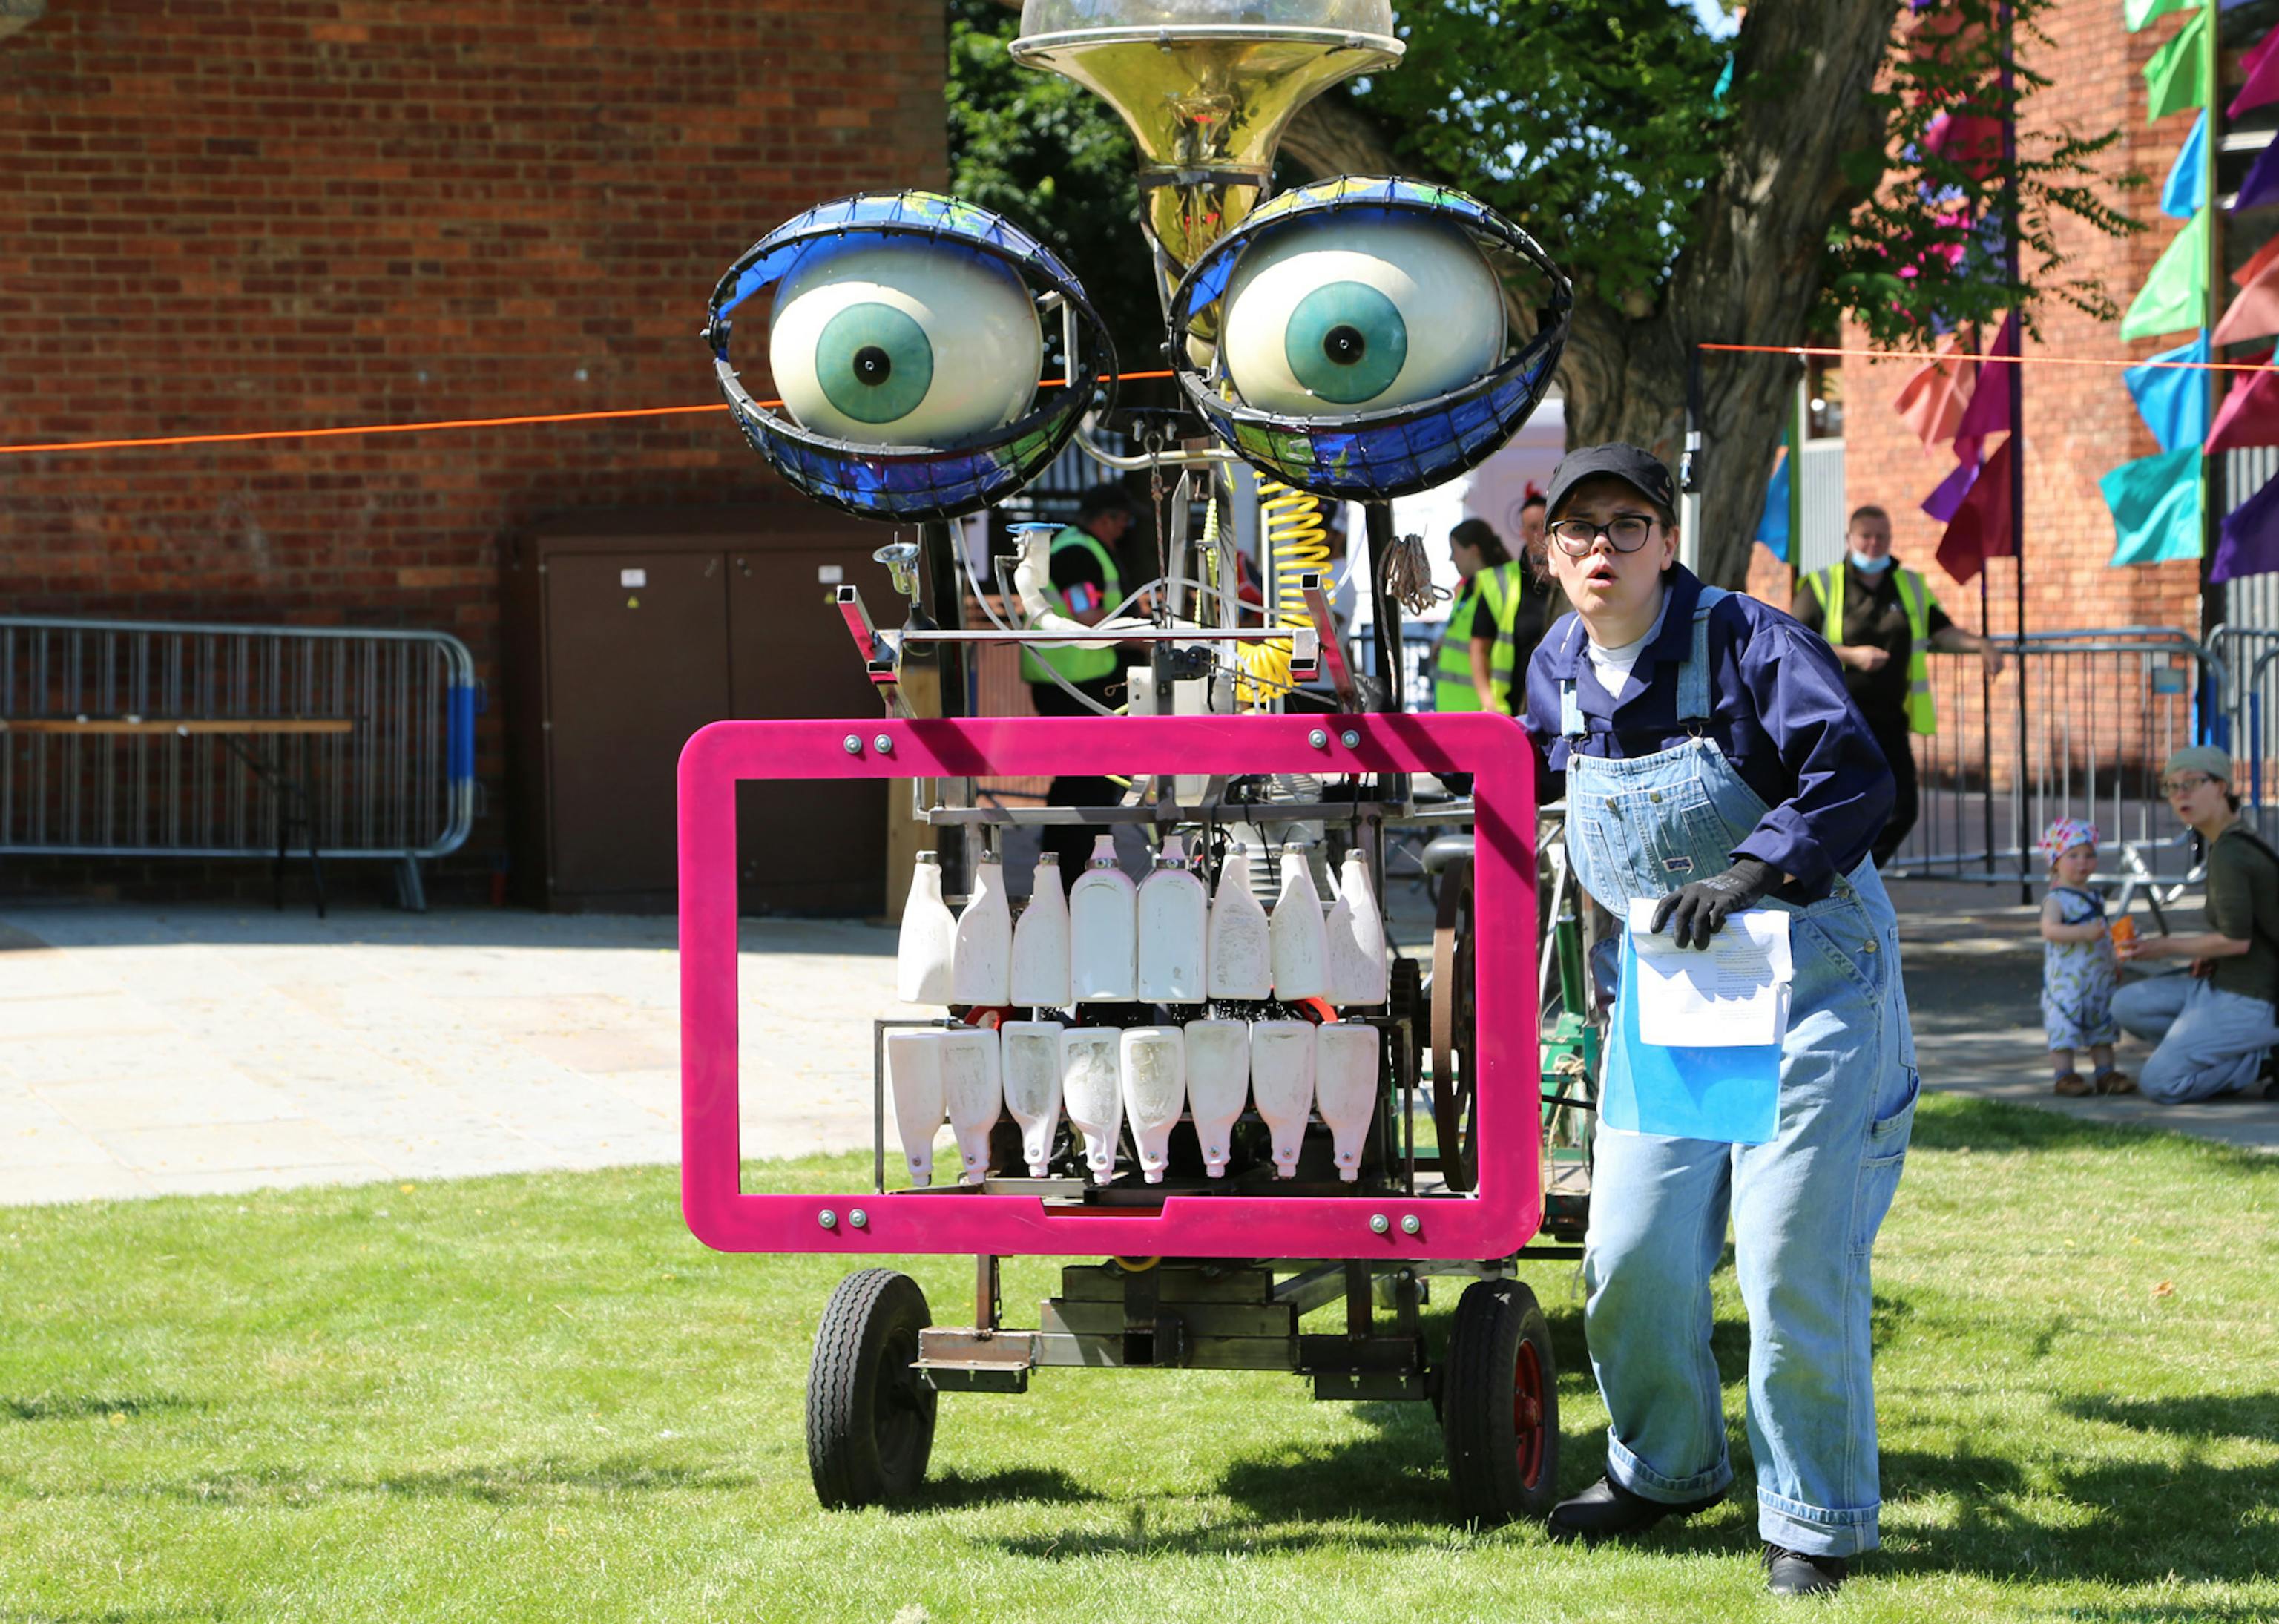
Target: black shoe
(1606, 1510)
(1791, 1573)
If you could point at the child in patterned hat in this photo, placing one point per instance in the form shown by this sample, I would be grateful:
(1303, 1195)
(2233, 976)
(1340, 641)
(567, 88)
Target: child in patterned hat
(2078, 968)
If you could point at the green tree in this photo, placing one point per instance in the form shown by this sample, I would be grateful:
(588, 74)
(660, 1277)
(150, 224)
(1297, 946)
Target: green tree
(1697, 189)
(1048, 154)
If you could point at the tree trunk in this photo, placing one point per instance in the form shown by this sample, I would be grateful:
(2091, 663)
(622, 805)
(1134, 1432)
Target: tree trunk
(1750, 274)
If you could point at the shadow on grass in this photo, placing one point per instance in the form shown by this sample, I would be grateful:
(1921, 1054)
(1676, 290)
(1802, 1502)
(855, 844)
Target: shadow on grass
(1959, 1123)
(504, 1482)
(2251, 1416)
(89, 1406)
(2127, 1522)
(952, 1489)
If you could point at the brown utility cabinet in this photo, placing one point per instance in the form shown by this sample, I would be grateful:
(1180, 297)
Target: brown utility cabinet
(625, 632)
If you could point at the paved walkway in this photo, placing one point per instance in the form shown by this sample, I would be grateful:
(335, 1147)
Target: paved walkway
(147, 1051)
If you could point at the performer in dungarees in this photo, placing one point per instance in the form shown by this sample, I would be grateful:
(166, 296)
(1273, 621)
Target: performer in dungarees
(1713, 761)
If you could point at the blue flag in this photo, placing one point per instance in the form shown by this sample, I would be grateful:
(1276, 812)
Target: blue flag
(2174, 400)
(2156, 507)
(2187, 186)
(1772, 524)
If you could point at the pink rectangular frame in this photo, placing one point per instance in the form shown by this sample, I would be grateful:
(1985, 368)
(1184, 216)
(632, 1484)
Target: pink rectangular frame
(1501, 1215)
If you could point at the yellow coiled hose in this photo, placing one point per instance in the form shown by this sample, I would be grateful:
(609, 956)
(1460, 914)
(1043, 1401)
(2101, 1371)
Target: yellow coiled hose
(1296, 543)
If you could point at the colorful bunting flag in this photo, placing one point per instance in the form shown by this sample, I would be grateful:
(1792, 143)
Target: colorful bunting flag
(2177, 77)
(2247, 541)
(2155, 501)
(2254, 311)
(1989, 411)
(2258, 263)
(2261, 184)
(1942, 503)
(2249, 416)
(2174, 400)
(2175, 297)
(2187, 186)
(2137, 13)
(1772, 524)
(1980, 529)
(2261, 69)
(1931, 402)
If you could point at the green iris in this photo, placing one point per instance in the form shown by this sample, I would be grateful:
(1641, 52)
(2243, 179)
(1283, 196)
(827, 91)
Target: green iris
(1346, 342)
(874, 362)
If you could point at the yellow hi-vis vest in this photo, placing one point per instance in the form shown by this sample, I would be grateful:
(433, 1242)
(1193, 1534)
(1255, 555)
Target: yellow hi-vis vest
(1078, 662)
(1452, 667)
(1915, 599)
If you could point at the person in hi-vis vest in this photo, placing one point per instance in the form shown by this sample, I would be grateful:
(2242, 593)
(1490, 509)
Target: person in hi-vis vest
(1462, 660)
(1086, 585)
(1883, 623)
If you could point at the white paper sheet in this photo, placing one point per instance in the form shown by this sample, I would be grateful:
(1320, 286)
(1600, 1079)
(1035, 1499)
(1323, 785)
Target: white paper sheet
(1734, 992)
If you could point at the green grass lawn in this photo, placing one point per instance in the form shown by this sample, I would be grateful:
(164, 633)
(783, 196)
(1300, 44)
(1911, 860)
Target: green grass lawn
(537, 1397)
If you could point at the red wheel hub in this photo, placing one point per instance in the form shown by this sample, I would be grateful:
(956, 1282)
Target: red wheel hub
(1527, 1412)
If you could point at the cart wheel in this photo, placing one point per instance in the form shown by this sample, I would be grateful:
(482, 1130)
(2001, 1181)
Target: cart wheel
(1455, 1067)
(1499, 1406)
(869, 1415)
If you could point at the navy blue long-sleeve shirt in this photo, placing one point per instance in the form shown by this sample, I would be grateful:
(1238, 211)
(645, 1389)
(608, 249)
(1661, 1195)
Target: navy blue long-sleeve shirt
(1778, 711)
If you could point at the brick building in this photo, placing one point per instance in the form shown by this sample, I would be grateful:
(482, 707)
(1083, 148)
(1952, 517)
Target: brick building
(283, 213)
(2079, 421)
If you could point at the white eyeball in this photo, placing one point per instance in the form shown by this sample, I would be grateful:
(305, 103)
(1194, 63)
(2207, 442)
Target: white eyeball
(903, 342)
(1360, 316)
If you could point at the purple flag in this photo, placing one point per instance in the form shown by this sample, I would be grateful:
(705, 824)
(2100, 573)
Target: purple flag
(1989, 411)
(2248, 543)
(1945, 502)
(2261, 185)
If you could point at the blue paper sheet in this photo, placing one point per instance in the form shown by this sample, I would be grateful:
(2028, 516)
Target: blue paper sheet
(1728, 1094)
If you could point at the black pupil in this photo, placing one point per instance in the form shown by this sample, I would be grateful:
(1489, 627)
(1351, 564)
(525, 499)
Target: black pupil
(1344, 345)
(872, 364)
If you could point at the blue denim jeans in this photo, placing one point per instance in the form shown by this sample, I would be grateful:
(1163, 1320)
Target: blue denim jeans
(2210, 1042)
(1804, 1208)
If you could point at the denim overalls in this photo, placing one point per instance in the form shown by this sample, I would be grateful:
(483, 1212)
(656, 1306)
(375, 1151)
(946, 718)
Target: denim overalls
(1804, 1208)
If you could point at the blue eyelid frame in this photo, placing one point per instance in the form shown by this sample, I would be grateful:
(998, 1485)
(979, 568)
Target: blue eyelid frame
(1374, 457)
(917, 483)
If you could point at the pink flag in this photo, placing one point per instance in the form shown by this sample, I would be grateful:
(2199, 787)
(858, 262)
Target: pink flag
(2249, 416)
(2254, 311)
(1980, 529)
(1989, 411)
(2260, 67)
(1932, 401)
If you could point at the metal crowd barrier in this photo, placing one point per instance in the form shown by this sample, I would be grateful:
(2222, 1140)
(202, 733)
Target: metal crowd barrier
(2078, 725)
(121, 739)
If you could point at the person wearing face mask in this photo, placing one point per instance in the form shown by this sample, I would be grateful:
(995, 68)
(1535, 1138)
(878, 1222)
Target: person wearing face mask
(1881, 621)
(1713, 763)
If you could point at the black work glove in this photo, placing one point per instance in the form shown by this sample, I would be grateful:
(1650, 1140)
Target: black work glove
(1697, 912)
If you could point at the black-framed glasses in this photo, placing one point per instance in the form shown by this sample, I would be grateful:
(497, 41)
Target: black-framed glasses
(1578, 537)
(2185, 784)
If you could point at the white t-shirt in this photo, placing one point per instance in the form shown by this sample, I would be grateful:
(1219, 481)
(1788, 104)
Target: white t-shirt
(1613, 665)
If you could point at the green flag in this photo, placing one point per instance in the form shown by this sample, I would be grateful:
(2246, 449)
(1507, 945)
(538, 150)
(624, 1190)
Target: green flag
(2175, 296)
(2177, 77)
(2136, 13)
(2156, 507)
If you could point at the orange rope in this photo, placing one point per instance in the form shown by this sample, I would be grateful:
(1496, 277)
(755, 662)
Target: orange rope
(1925, 354)
(419, 428)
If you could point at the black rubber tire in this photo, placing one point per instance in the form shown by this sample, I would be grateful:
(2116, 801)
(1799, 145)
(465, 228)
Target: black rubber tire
(869, 1415)
(1499, 1406)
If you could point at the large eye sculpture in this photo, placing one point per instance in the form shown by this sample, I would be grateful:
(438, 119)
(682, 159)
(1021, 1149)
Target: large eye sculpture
(905, 338)
(1362, 351)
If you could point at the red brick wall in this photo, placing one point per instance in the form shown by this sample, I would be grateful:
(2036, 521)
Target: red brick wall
(2080, 422)
(277, 213)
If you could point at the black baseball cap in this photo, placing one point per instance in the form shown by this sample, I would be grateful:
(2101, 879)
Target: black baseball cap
(1640, 470)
